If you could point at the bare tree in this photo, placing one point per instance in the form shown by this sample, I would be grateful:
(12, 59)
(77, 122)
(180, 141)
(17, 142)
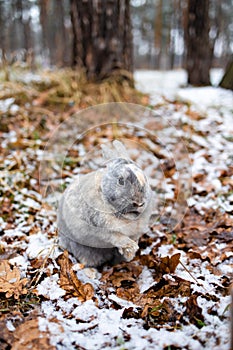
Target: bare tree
(102, 40)
(199, 53)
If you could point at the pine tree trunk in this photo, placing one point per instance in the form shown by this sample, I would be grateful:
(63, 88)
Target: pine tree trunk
(102, 39)
(198, 44)
(227, 80)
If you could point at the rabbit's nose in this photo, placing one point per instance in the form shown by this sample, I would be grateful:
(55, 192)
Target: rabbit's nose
(138, 205)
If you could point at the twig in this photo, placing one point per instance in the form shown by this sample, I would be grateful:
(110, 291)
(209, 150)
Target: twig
(192, 276)
(40, 271)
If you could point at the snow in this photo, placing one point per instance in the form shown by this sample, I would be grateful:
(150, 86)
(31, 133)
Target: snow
(5, 104)
(20, 261)
(40, 245)
(167, 84)
(10, 326)
(100, 325)
(145, 280)
(88, 275)
(120, 301)
(159, 83)
(49, 288)
(206, 97)
(2, 223)
(31, 203)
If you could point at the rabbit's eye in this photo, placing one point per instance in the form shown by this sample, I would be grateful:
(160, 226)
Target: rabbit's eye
(121, 181)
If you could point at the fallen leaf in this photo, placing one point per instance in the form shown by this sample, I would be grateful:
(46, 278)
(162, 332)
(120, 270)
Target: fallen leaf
(10, 281)
(160, 313)
(170, 287)
(194, 311)
(70, 282)
(161, 265)
(169, 264)
(123, 274)
(28, 336)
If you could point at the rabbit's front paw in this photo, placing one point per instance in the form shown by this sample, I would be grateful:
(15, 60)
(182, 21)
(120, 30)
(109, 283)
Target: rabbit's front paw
(128, 249)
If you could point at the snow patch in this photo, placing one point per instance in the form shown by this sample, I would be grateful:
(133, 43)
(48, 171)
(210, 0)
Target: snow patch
(50, 289)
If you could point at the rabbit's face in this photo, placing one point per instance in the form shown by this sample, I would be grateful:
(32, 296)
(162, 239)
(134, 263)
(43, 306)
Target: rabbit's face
(125, 188)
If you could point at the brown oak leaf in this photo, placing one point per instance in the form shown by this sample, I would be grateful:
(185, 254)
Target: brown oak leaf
(70, 282)
(10, 281)
(161, 265)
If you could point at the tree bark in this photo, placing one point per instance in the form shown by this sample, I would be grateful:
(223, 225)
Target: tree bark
(102, 39)
(61, 39)
(44, 24)
(227, 80)
(199, 53)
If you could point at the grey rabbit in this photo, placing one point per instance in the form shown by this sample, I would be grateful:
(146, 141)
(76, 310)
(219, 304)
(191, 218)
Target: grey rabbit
(102, 214)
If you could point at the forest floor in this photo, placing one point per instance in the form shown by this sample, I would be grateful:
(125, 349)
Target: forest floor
(175, 292)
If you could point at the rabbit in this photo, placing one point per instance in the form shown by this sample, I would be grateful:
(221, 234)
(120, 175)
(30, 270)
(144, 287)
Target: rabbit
(102, 214)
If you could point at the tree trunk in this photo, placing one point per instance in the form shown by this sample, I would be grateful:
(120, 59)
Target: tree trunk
(102, 39)
(60, 35)
(227, 80)
(3, 30)
(158, 32)
(24, 22)
(198, 44)
(44, 25)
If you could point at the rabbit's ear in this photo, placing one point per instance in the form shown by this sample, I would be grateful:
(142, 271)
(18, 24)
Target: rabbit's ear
(107, 152)
(119, 151)
(120, 148)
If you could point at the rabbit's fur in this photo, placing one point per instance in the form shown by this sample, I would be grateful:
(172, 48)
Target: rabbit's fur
(102, 214)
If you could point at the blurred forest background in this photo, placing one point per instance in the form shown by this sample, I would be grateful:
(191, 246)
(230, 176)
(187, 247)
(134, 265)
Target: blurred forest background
(40, 32)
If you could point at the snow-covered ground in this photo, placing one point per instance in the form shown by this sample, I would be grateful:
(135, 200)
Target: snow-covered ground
(167, 83)
(94, 325)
